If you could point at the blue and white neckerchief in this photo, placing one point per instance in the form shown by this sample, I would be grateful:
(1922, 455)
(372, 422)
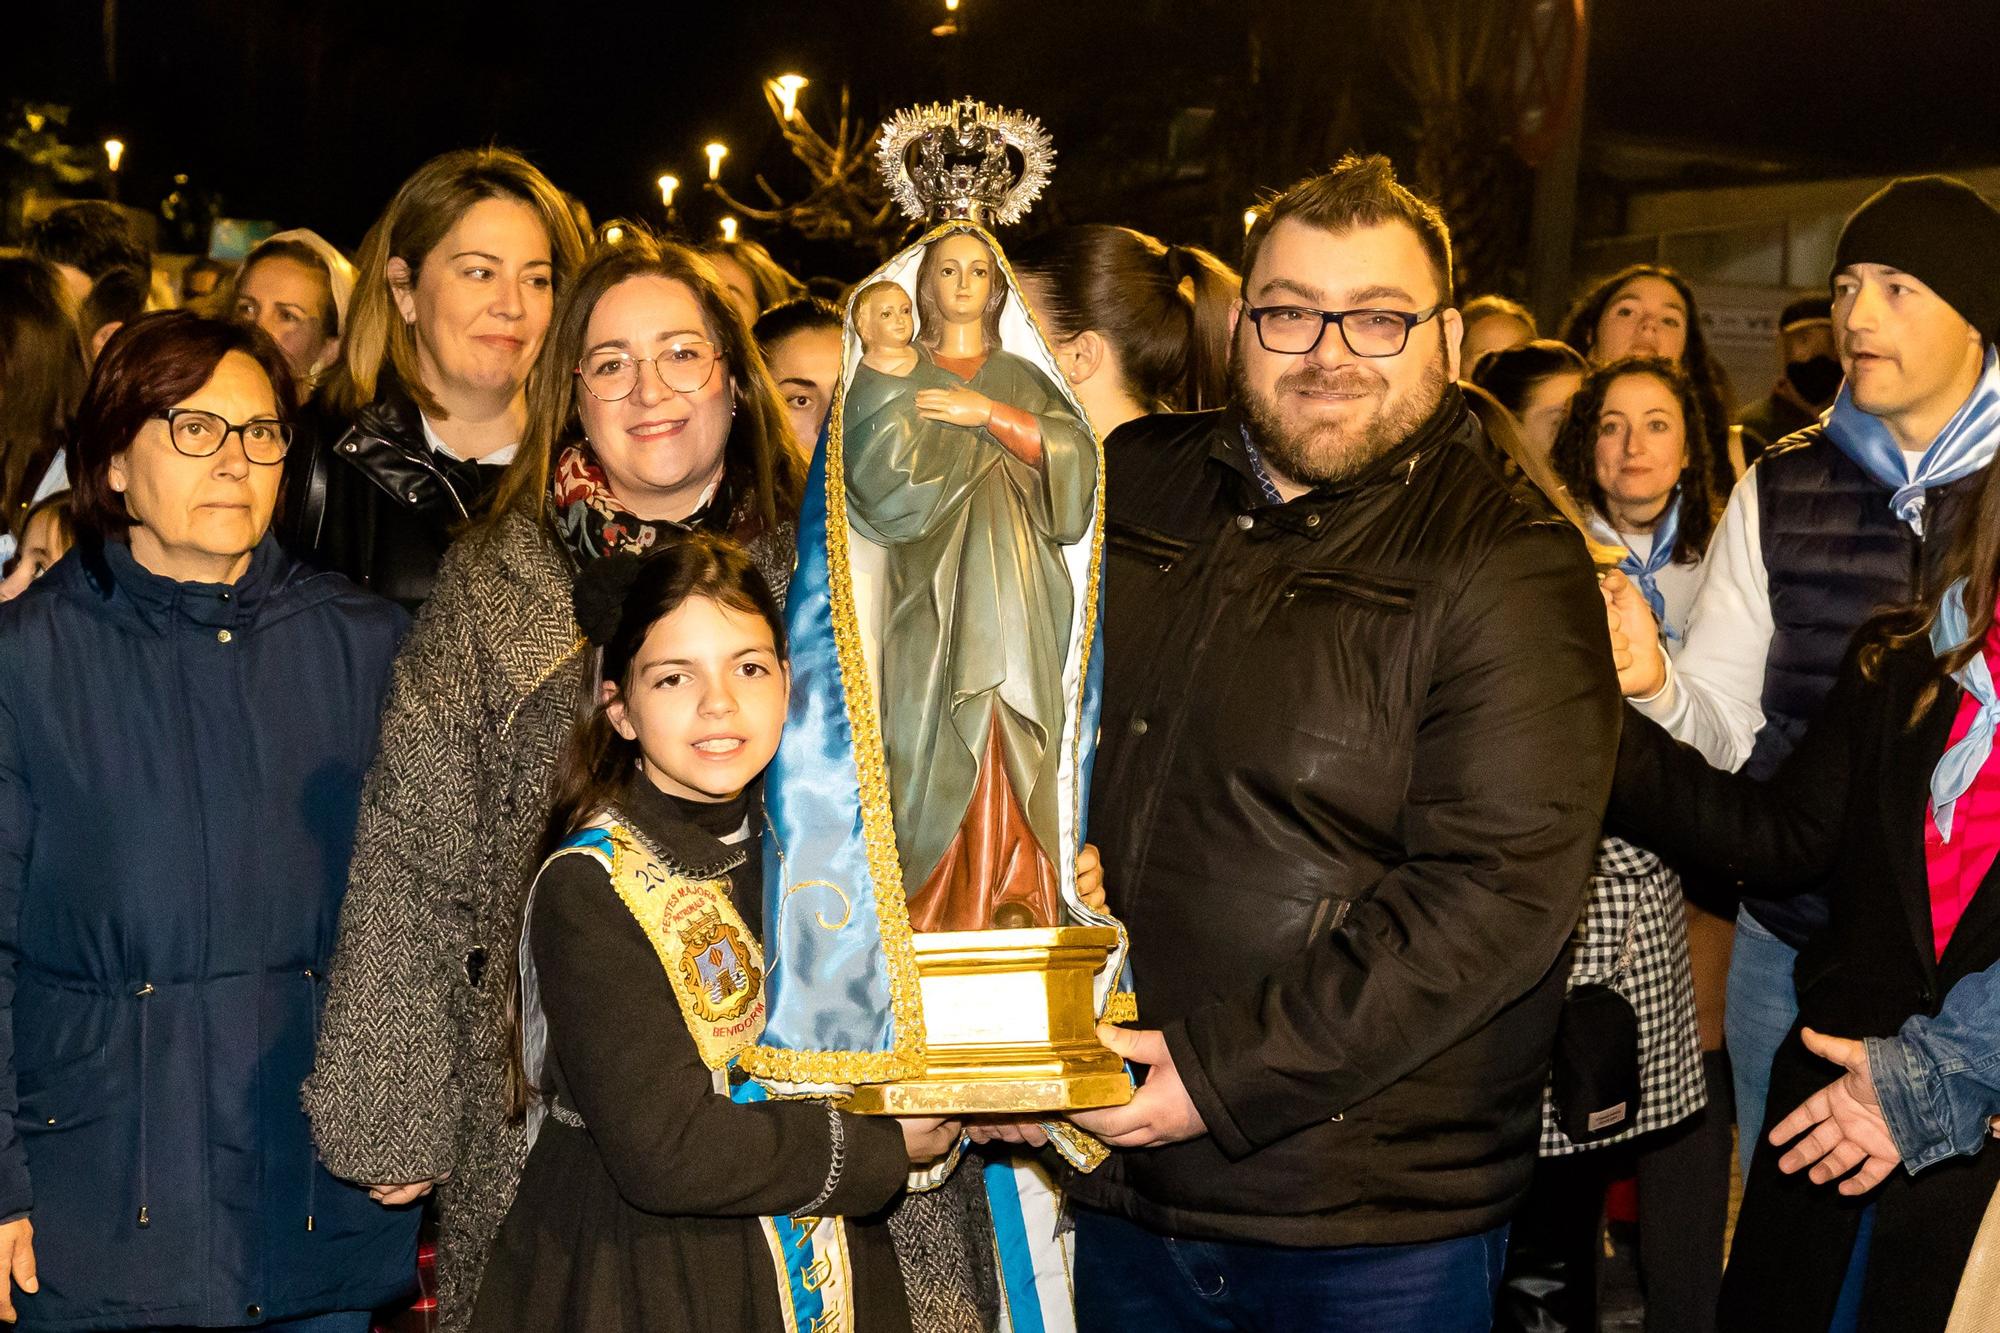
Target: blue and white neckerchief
(1259, 471)
(1965, 445)
(1959, 765)
(1646, 573)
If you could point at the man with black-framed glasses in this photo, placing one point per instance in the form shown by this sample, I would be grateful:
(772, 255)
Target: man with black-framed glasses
(1358, 728)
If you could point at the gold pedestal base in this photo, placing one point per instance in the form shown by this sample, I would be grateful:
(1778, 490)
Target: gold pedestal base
(1010, 1027)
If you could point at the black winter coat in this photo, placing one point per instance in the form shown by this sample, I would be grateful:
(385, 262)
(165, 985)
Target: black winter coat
(1849, 805)
(371, 499)
(180, 771)
(1355, 750)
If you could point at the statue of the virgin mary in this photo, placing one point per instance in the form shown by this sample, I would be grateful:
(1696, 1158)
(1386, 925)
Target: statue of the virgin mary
(944, 625)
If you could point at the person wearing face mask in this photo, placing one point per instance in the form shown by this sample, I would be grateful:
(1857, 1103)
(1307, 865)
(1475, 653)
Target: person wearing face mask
(1811, 378)
(429, 399)
(296, 287)
(1839, 522)
(651, 411)
(1650, 310)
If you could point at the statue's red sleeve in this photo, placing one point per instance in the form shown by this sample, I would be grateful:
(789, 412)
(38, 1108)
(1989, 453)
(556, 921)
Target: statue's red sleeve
(1018, 433)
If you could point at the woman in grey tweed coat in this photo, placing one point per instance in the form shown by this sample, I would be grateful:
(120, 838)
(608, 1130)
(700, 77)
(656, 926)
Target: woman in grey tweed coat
(408, 1088)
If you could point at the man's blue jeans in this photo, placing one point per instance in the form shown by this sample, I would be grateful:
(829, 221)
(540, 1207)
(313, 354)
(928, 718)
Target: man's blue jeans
(1131, 1280)
(1762, 1007)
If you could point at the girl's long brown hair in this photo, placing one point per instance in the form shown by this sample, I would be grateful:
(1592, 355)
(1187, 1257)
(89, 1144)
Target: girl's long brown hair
(598, 762)
(757, 457)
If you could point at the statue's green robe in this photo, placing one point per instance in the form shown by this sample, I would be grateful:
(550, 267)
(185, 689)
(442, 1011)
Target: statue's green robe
(977, 602)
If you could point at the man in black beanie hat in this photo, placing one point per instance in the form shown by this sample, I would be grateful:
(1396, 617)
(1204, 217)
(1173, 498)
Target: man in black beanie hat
(1834, 524)
(1810, 379)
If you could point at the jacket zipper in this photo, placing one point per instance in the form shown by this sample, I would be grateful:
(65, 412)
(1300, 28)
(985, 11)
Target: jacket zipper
(144, 993)
(1352, 587)
(312, 1150)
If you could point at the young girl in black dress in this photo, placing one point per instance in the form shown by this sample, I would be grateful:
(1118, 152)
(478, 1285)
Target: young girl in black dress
(662, 1193)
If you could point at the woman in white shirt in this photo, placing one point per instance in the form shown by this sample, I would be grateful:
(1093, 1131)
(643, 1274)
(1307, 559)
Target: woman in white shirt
(1633, 453)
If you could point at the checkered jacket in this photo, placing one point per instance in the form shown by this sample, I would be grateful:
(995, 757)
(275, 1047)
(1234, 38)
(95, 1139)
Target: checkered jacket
(1630, 888)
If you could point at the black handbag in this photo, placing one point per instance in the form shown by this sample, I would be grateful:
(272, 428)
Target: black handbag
(1594, 1086)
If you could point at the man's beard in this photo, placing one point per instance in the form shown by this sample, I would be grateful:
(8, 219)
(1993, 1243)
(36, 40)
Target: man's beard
(1326, 453)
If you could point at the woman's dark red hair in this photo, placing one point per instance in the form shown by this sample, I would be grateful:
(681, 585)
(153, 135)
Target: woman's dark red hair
(149, 365)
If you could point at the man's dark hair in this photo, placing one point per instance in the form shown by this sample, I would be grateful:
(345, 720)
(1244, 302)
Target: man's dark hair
(1355, 192)
(801, 313)
(91, 235)
(119, 297)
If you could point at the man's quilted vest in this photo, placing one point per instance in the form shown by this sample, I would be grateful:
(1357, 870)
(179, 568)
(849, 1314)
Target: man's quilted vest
(1834, 556)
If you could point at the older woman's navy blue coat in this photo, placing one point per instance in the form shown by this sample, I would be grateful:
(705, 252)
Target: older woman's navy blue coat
(180, 770)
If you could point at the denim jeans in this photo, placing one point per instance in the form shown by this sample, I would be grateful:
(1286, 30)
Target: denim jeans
(1762, 1007)
(1131, 1280)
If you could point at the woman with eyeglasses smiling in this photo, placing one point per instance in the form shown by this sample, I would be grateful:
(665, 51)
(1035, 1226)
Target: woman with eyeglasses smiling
(186, 717)
(650, 412)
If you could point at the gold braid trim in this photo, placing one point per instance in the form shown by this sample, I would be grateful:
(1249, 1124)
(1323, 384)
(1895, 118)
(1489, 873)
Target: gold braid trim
(1121, 1006)
(892, 913)
(1077, 1147)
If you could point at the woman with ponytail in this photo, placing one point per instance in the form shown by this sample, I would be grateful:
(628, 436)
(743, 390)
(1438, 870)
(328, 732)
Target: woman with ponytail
(1138, 326)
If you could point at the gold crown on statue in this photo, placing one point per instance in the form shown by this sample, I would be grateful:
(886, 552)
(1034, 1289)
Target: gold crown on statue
(966, 160)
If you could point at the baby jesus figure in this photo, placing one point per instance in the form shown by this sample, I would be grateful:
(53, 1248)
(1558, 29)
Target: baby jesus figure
(886, 324)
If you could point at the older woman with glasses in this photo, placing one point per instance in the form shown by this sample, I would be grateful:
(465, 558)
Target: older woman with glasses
(186, 716)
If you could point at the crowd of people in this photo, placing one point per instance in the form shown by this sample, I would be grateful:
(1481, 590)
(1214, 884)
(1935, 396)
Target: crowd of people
(1526, 776)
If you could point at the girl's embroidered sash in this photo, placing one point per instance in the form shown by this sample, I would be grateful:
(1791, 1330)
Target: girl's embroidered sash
(716, 969)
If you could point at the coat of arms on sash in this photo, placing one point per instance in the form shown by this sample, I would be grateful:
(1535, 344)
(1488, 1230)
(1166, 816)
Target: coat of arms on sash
(721, 976)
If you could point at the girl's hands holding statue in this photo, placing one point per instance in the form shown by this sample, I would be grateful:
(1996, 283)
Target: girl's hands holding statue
(955, 407)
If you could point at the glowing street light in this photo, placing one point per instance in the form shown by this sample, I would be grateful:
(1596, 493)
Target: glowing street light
(668, 184)
(787, 86)
(729, 229)
(114, 153)
(716, 152)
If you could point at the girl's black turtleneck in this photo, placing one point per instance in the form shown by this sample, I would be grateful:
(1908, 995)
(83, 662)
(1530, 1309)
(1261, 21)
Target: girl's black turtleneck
(736, 823)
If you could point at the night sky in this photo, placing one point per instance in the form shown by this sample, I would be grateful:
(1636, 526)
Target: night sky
(310, 111)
